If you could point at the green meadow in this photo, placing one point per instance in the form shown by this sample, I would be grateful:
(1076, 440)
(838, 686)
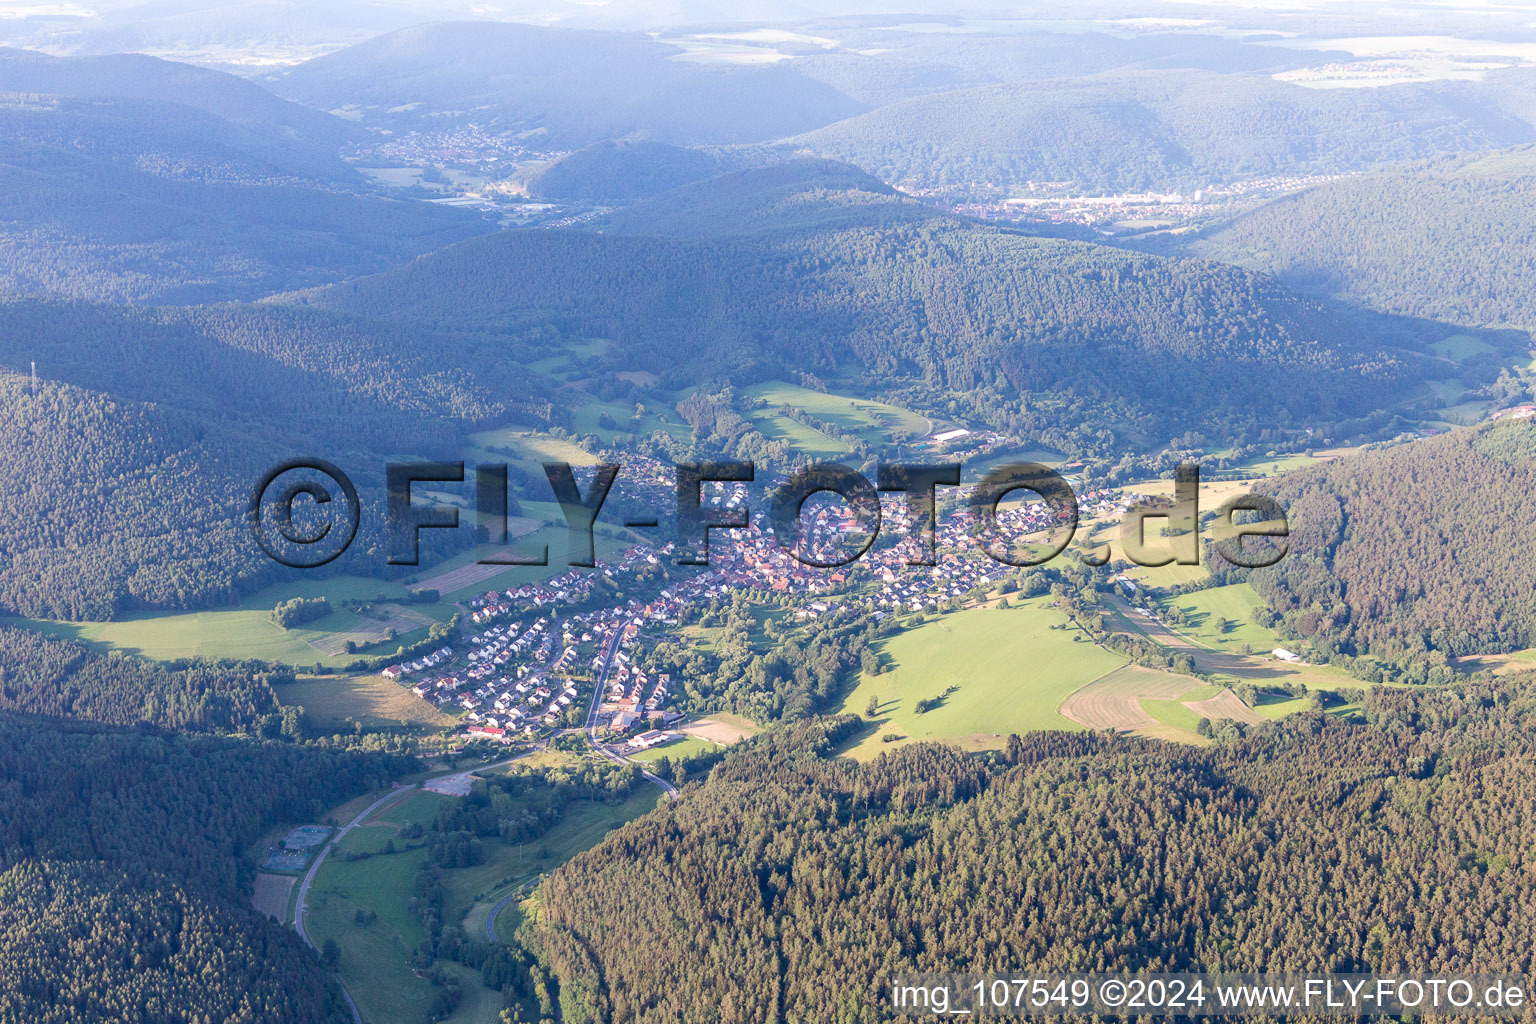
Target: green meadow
(375, 956)
(1460, 347)
(245, 630)
(1007, 670)
(1174, 714)
(876, 422)
(688, 746)
(1205, 609)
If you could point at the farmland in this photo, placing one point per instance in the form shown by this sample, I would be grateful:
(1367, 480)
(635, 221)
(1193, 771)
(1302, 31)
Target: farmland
(246, 631)
(1203, 612)
(874, 422)
(376, 951)
(1005, 670)
(370, 699)
(1120, 699)
(688, 747)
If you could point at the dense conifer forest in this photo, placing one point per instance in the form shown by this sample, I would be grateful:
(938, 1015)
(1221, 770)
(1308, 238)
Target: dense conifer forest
(1451, 239)
(1414, 553)
(799, 882)
(48, 676)
(126, 889)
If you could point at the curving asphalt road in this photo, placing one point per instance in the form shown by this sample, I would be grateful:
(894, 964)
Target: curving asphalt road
(590, 732)
(309, 876)
(490, 918)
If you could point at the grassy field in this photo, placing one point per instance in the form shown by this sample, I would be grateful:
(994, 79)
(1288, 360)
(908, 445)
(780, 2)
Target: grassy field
(1236, 603)
(1170, 575)
(459, 579)
(244, 631)
(1173, 713)
(1460, 347)
(1274, 705)
(875, 422)
(1009, 668)
(655, 417)
(583, 826)
(688, 746)
(375, 957)
(530, 448)
(563, 361)
(370, 699)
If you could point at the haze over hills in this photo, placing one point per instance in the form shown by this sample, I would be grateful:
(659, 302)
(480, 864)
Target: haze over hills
(796, 196)
(1166, 131)
(862, 281)
(879, 65)
(569, 88)
(617, 172)
(134, 179)
(1453, 239)
(288, 130)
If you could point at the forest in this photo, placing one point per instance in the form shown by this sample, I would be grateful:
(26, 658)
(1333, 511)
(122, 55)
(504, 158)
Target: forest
(1076, 344)
(46, 676)
(800, 880)
(1415, 553)
(1032, 332)
(130, 179)
(177, 413)
(1169, 130)
(127, 892)
(1449, 239)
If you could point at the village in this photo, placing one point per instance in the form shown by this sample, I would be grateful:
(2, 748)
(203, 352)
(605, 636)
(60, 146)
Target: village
(537, 659)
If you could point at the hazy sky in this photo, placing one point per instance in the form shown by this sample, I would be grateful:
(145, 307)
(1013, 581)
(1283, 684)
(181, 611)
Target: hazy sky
(283, 31)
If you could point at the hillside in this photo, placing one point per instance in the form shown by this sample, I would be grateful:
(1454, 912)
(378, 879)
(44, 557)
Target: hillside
(132, 463)
(125, 890)
(799, 195)
(568, 88)
(1134, 131)
(1092, 343)
(882, 64)
(1454, 239)
(283, 134)
(130, 179)
(790, 864)
(1421, 547)
(611, 172)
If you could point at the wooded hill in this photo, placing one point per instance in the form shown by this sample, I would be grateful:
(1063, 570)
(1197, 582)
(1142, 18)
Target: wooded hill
(125, 893)
(842, 278)
(1168, 130)
(810, 268)
(557, 88)
(133, 179)
(1416, 552)
(132, 464)
(1451, 239)
(799, 883)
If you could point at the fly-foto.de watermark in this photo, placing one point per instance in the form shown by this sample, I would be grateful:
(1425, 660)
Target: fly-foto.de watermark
(305, 513)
